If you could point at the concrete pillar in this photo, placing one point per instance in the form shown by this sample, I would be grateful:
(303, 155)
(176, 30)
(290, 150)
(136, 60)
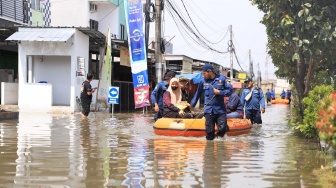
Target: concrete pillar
(30, 69)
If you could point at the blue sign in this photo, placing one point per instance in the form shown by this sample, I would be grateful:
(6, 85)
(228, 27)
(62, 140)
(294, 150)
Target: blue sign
(134, 18)
(140, 79)
(113, 95)
(112, 101)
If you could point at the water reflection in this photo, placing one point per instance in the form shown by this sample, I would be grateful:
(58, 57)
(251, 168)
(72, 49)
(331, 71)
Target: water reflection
(44, 150)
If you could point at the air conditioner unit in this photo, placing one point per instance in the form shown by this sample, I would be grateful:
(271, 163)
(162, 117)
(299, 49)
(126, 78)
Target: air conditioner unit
(93, 7)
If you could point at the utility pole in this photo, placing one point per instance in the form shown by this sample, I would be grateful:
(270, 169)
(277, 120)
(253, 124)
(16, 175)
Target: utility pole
(147, 24)
(158, 54)
(147, 9)
(259, 77)
(266, 65)
(250, 65)
(231, 54)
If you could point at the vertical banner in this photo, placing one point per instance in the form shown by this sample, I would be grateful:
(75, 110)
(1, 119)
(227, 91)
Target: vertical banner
(137, 51)
(105, 76)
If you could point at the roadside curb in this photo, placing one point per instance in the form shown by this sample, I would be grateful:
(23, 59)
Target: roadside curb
(9, 115)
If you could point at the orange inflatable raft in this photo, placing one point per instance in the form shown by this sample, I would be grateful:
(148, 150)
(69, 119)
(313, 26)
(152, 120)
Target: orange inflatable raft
(280, 101)
(196, 127)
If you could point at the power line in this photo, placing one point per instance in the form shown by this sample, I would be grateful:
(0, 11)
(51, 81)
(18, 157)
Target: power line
(189, 31)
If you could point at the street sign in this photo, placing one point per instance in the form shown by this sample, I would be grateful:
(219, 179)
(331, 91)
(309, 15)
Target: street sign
(113, 95)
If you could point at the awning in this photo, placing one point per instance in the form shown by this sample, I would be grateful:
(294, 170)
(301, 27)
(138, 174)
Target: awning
(196, 78)
(42, 35)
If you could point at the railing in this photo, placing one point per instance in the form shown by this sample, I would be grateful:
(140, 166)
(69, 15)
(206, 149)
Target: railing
(126, 97)
(15, 9)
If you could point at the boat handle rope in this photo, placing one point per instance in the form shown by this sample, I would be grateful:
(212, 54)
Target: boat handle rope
(190, 126)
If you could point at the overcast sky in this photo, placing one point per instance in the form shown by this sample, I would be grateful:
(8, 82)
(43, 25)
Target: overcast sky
(212, 18)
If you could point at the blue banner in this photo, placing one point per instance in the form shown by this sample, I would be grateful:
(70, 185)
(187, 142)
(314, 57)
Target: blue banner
(135, 30)
(137, 51)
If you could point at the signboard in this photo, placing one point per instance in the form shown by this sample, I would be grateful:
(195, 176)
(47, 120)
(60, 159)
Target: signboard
(242, 76)
(80, 66)
(113, 95)
(137, 51)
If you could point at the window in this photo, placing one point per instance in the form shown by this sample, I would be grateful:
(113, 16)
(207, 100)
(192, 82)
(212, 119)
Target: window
(122, 32)
(94, 25)
(94, 65)
(35, 4)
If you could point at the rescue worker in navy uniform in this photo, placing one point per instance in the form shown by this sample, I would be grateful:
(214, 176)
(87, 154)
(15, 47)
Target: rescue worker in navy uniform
(268, 96)
(157, 94)
(215, 89)
(254, 105)
(289, 95)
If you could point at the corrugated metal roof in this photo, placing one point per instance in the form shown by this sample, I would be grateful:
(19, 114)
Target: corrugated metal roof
(45, 35)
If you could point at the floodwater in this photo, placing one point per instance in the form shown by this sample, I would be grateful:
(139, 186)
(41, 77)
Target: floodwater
(44, 150)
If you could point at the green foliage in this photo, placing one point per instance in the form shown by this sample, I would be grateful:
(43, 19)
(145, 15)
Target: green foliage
(301, 40)
(313, 105)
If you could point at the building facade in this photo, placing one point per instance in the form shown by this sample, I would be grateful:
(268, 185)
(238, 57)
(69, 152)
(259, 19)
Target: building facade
(42, 60)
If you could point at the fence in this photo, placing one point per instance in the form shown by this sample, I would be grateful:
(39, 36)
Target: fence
(126, 97)
(14, 9)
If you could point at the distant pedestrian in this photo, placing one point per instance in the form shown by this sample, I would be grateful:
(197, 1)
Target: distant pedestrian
(253, 99)
(289, 95)
(215, 89)
(86, 95)
(283, 94)
(268, 96)
(273, 94)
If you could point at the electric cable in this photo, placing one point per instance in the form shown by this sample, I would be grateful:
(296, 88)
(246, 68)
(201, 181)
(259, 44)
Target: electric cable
(196, 27)
(173, 11)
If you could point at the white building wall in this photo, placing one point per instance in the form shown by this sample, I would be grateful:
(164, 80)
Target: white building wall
(68, 13)
(107, 15)
(56, 71)
(76, 13)
(81, 50)
(35, 97)
(9, 96)
(58, 68)
(280, 85)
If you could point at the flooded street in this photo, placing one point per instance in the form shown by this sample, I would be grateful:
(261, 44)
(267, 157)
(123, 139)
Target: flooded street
(44, 150)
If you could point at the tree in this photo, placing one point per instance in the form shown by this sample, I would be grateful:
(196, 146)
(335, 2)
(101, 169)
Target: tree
(301, 40)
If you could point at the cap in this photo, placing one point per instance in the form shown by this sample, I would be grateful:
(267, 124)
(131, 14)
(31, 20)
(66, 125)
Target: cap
(169, 75)
(181, 79)
(207, 67)
(248, 80)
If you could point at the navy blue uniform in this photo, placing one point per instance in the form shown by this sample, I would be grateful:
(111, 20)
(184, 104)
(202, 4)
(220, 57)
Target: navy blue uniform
(157, 97)
(214, 111)
(283, 95)
(272, 95)
(268, 96)
(289, 95)
(252, 106)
